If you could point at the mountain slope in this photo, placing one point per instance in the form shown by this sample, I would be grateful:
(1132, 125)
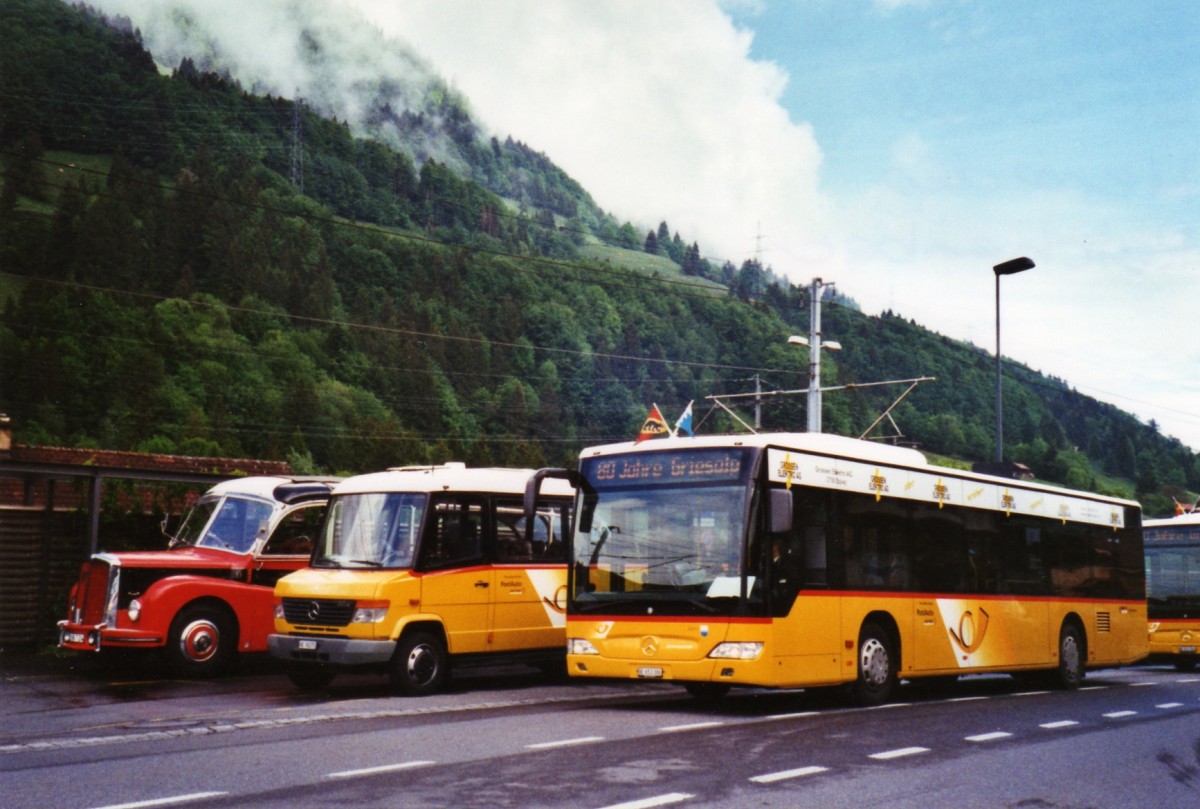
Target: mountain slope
(168, 287)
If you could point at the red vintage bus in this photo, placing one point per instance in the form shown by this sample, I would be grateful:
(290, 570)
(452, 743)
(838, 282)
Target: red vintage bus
(208, 596)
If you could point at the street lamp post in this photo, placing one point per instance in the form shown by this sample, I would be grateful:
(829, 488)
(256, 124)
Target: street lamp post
(1010, 267)
(814, 356)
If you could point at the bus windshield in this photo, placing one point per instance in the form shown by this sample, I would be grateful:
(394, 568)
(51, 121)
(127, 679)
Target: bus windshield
(664, 533)
(370, 530)
(236, 525)
(1172, 569)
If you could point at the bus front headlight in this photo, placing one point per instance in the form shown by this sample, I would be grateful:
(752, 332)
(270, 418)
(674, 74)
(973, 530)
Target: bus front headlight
(135, 610)
(581, 646)
(743, 650)
(369, 612)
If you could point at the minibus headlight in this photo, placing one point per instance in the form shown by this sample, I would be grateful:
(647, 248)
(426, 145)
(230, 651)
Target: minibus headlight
(580, 646)
(135, 610)
(743, 650)
(369, 612)
(279, 608)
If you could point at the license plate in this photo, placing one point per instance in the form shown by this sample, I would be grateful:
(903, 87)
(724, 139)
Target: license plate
(653, 672)
(308, 645)
(74, 637)
(1187, 650)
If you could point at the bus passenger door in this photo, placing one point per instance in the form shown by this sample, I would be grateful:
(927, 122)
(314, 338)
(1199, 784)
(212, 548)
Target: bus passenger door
(531, 578)
(456, 584)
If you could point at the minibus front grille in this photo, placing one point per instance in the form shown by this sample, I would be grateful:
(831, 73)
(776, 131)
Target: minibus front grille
(318, 611)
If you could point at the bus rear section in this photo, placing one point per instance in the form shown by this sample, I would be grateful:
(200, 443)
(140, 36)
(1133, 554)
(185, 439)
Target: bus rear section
(421, 569)
(1173, 589)
(808, 560)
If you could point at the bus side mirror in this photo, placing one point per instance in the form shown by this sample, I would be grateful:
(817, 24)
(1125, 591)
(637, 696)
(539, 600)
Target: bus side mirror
(534, 486)
(781, 511)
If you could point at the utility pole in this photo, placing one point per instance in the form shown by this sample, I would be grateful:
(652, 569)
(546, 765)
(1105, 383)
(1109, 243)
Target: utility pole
(757, 402)
(814, 355)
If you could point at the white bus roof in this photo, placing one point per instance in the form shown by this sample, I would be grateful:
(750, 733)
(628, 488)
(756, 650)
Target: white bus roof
(1190, 518)
(820, 443)
(262, 486)
(450, 477)
(849, 449)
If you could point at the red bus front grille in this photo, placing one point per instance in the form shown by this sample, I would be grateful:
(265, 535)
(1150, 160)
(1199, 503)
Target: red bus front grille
(93, 592)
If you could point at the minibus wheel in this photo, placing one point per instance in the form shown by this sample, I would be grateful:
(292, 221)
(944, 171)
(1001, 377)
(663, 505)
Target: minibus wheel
(1186, 663)
(420, 665)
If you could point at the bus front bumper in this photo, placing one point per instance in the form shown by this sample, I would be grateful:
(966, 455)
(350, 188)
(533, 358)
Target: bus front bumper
(330, 651)
(92, 638)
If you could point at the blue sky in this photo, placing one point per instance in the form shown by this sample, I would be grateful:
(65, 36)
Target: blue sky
(899, 148)
(1098, 96)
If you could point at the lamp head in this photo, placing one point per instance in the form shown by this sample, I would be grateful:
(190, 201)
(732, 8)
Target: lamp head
(1013, 266)
(797, 340)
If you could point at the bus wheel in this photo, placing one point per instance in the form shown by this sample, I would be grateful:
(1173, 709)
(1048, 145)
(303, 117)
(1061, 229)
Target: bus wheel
(1070, 657)
(1186, 663)
(310, 678)
(876, 666)
(420, 665)
(707, 693)
(201, 641)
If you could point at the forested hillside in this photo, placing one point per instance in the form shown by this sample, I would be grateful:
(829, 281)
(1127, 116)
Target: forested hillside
(182, 272)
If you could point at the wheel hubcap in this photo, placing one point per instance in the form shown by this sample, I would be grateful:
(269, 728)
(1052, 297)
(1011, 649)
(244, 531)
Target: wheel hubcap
(422, 665)
(199, 641)
(1070, 654)
(874, 662)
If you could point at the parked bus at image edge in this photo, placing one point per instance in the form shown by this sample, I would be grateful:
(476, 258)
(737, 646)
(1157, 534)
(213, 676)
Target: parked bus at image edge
(421, 568)
(1173, 588)
(209, 595)
(797, 560)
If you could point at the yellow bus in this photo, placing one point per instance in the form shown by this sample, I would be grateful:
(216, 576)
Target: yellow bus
(796, 560)
(1173, 588)
(419, 568)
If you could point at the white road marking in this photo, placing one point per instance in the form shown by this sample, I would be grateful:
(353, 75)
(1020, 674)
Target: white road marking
(966, 699)
(1166, 705)
(649, 803)
(1030, 693)
(564, 742)
(1140, 685)
(888, 755)
(1065, 723)
(176, 799)
(1188, 680)
(1120, 714)
(794, 715)
(404, 765)
(693, 726)
(989, 737)
(784, 775)
(1093, 688)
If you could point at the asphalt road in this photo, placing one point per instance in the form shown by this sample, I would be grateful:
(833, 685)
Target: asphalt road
(119, 736)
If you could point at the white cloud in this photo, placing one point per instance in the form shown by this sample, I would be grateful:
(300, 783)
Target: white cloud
(659, 111)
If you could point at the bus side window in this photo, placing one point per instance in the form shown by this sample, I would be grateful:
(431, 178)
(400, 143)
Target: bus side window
(454, 535)
(296, 532)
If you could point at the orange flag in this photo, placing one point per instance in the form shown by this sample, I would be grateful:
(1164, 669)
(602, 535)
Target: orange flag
(654, 426)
